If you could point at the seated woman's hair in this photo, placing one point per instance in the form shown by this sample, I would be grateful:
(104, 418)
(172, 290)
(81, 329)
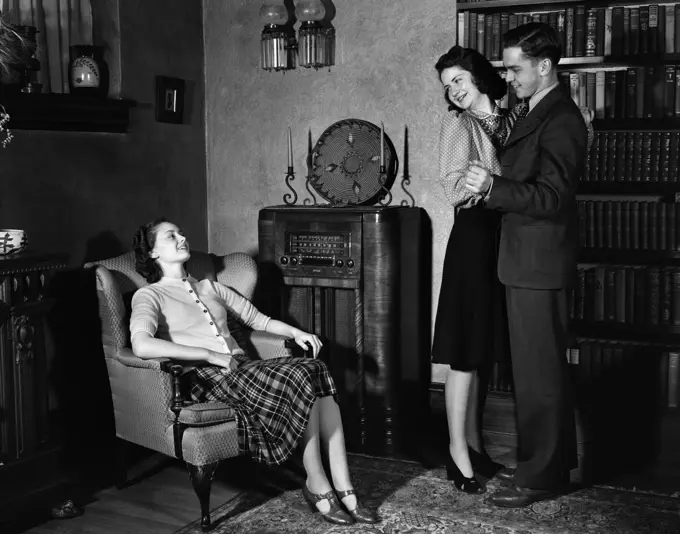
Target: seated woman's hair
(484, 75)
(142, 243)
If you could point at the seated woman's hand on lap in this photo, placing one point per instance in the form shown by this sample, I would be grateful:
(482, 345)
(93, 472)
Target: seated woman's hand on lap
(226, 361)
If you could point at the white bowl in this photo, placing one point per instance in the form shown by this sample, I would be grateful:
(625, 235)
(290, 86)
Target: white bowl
(12, 241)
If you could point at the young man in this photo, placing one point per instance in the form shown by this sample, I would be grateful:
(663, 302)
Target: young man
(542, 162)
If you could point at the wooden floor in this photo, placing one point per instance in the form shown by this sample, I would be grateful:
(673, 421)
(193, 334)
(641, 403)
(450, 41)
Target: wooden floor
(165, 501)
(160, 503)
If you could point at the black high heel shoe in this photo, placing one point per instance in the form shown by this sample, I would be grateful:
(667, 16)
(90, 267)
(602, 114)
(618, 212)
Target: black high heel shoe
(335, 515)
(483, 464)
(463, 483)
(359, 514)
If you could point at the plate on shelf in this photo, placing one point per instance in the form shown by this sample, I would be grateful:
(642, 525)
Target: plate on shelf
(344, 165)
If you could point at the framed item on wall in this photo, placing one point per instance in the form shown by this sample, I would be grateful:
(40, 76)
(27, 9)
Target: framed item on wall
(170, 99)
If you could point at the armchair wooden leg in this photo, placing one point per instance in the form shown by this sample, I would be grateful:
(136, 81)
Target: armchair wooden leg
(201, 477)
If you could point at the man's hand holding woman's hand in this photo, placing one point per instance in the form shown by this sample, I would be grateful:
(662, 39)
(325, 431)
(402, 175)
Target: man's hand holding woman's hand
(308, 341)
(478, 178)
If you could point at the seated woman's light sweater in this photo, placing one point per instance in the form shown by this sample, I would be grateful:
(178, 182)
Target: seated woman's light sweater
(188, 312)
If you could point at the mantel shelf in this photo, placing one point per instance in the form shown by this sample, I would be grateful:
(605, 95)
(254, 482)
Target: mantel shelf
(66, 112)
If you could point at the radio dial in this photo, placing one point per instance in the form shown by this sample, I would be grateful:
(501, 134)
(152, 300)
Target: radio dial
(284, 260)
(350, 263)
(294, 260)
(339, 263)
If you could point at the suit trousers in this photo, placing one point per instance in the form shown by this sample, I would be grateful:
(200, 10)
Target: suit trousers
(538, 321)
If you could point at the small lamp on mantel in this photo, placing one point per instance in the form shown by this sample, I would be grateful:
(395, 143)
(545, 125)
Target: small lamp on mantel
(316, 43)
(276, 52)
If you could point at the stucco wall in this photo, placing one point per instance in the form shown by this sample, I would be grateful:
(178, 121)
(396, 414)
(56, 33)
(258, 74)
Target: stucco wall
(386, 51)
(85, 193)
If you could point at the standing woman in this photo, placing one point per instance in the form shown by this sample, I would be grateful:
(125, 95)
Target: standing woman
(471, 325)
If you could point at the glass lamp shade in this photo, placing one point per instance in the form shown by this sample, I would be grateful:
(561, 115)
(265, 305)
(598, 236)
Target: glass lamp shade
(316, 45)
(310, 10)
(276, 53)
(273, 12)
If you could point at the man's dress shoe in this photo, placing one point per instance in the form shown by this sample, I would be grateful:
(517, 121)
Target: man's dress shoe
(507, 475)
(519, 497)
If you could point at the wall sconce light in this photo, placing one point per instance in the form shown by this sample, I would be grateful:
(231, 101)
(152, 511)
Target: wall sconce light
(315, 45)
(276, 52)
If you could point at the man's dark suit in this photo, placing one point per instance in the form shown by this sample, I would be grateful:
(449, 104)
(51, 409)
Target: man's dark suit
(542, 162)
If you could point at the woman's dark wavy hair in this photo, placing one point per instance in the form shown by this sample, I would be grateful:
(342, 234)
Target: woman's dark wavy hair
(484, 75)
(142, 243)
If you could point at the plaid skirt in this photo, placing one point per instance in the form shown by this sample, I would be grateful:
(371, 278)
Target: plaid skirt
(271, 398)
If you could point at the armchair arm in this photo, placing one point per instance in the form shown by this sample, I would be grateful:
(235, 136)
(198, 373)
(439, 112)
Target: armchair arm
(126, 357)
(266, 345)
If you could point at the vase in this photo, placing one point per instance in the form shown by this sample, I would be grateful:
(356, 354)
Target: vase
(12, 241)
(88, 72)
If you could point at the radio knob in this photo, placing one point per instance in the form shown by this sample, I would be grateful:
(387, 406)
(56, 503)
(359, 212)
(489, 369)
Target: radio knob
(294, 260)
(350, 263)
(284, 260)
(339, 263)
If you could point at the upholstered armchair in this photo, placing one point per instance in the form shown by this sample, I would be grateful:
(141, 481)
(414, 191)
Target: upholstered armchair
(149, 405)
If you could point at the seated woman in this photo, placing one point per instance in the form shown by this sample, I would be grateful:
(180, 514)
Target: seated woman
(279, 403)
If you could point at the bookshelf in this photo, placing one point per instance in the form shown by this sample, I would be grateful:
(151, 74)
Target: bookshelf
(536, 6)
(621, 59)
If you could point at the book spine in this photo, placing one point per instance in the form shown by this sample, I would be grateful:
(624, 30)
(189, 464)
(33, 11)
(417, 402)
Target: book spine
(634, 31)
(607, 30)
(569, 37)
(591, 32)
(669, 41)
(653, 30)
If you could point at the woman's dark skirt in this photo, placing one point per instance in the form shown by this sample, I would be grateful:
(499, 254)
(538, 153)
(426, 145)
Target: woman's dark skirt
(471, 326)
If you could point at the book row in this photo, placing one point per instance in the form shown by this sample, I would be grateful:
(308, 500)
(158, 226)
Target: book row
(625, 294)
(649, 92)
(633, 157)
(628, 225)
(604, 368)
(617, 31)
(600, 368)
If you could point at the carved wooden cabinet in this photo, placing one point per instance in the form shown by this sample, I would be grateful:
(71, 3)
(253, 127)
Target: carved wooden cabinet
(29, 445)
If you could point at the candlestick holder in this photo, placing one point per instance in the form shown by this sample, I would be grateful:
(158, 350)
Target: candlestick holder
(307, 201)
(406, 180)
(290, 176)
(385, 198)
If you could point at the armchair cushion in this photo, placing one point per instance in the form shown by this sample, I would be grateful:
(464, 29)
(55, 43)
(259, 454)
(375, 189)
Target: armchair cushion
(206, 413)
(264, 345)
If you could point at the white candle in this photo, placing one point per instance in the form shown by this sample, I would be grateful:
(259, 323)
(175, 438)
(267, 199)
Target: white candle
(382, 144)
(290, 148)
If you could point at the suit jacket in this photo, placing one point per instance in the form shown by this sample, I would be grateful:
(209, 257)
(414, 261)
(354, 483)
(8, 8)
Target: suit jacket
(541, 164)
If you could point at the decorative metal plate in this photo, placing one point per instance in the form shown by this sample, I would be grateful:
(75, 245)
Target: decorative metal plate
(345, 163)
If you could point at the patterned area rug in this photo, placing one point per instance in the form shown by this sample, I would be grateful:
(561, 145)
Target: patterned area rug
(412, 499)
